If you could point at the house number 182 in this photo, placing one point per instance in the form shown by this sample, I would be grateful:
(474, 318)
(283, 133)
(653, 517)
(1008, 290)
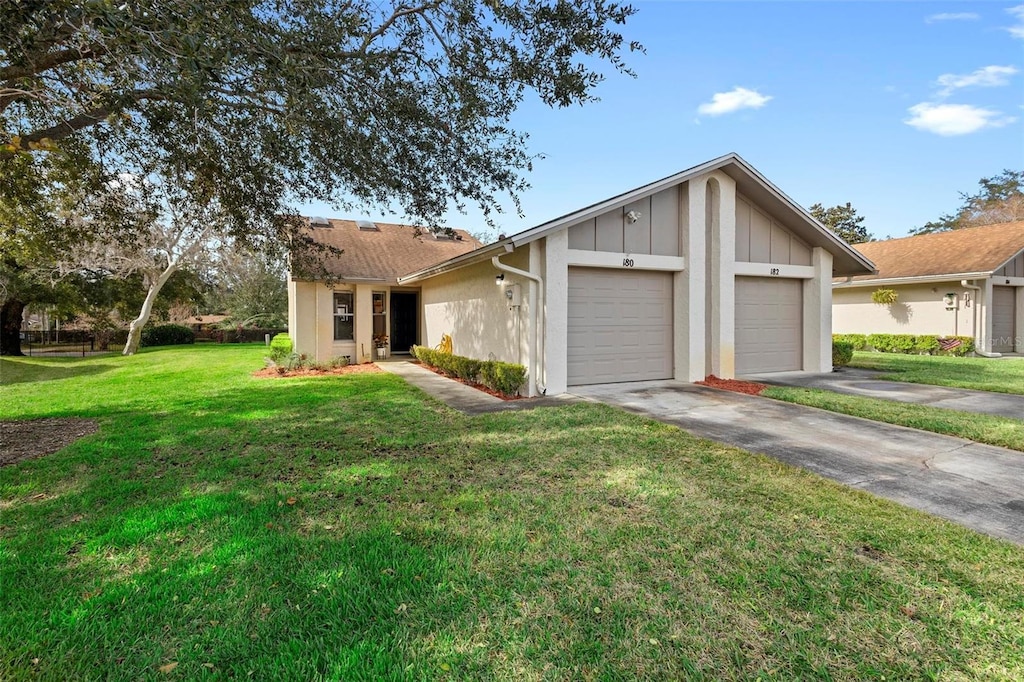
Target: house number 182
(627, 262)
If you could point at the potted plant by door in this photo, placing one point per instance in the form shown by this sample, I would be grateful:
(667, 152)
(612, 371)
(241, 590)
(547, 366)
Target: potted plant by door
(381, 342)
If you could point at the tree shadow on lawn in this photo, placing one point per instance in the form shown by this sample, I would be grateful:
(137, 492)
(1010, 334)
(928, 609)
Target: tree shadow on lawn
(29, 370)
(348, 528)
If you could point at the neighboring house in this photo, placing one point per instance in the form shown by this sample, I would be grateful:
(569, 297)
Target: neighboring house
(366, 301)
(967, 282)
(712, 270)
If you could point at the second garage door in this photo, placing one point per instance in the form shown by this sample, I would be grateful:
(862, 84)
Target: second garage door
(620, 326)
(769, 325)
(1003, 319)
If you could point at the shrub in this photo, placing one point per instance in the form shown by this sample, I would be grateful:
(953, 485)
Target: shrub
(280, 347)
(339, 361)
(504, 377)
(892, 343)
(926, 344)
(842, 353)
(167, 335)
(966, 346)
(858, 341)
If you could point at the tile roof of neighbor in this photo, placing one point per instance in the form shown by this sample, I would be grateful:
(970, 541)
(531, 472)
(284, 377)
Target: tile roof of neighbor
(388, 252)
(969, 250)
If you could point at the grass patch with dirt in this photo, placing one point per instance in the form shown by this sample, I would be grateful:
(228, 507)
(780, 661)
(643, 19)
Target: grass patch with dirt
(1005, 375)
(1000, 431)
(348, 527)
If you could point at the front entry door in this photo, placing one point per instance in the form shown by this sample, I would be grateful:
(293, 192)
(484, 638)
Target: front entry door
(404, 321)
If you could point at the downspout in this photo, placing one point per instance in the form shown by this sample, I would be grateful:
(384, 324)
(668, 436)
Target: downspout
(536, 357)
(974, 321)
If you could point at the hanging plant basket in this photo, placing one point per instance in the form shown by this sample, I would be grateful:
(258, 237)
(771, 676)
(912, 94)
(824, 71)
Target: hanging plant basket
(884, 296)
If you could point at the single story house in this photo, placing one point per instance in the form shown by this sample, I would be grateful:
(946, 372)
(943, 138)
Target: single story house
(365, 301)
(967, 282)
(712, 270)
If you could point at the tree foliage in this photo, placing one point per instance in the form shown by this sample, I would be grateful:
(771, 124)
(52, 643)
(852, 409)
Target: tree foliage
(844, 221)
(999, 199)
(260, 105)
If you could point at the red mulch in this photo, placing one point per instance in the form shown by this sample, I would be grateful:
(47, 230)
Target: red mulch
(734, 385)
(273, 373)
(471, 384)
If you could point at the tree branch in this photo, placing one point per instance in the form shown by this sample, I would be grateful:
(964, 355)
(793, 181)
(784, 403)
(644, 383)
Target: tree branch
(49, 60)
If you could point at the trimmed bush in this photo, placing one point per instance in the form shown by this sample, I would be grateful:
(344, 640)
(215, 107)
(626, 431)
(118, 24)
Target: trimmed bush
(858, 341)
(923, 344)
(280, 347)
(167, 335)
(842, 353)
(504, 377)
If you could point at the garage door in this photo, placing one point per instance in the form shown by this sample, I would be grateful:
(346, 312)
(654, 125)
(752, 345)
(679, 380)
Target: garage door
(620, 326)
(769, 325)
(1003, 322)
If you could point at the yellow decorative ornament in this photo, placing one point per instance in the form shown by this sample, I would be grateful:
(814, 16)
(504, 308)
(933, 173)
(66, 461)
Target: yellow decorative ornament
(446, 344)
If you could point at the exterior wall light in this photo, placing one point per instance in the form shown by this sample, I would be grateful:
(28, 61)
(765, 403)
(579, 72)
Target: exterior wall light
(633, 216)
(500, 279)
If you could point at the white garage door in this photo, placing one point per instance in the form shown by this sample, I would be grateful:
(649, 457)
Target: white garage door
(769, 325)
(1003, 322)
(620, 326)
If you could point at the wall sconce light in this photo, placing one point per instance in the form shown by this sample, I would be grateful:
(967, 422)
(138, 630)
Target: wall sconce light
(633, 216)
(500, 279)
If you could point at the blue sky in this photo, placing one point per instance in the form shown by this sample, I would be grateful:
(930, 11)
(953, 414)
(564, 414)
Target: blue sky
(895, 107)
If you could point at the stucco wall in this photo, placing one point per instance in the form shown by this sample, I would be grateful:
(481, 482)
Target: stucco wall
(919, 310)
(311, 321)
(468, 305)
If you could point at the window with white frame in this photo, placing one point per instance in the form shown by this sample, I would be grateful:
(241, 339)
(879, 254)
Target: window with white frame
(343, 316)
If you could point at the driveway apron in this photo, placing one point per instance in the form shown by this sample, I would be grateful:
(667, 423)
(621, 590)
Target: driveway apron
(978, 486)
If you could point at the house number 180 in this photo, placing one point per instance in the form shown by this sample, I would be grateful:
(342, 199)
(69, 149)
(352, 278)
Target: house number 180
(627, 262)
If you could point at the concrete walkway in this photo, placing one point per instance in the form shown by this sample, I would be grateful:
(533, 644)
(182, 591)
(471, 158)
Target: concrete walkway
(459, 396)
(979, 486)
(865, 382)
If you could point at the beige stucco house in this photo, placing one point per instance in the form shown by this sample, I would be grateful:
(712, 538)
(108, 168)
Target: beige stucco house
(967, 282)
(712, 270)
(365, 299)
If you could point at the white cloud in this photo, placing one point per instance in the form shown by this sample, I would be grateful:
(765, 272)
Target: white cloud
(949, 120)
(734, 100)
(952, 16)
(985, 77)
(1018, 13)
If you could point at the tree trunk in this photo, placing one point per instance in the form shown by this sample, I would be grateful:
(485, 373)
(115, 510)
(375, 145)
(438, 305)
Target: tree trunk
(131, 346)
(10, 326)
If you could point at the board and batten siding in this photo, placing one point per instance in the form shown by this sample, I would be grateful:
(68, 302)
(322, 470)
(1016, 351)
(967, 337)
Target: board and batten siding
(656, 231)
(762, 239)
(1015, 268)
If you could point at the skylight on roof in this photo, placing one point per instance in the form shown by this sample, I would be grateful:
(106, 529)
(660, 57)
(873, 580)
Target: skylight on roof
(367, 225)
(317, 221)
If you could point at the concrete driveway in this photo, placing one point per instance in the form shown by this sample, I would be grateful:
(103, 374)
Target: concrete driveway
(979, 486)
(865, 382)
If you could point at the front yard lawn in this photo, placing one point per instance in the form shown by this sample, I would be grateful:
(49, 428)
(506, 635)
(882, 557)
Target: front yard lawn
(1005, 375)
(981, 428)
(223, 526)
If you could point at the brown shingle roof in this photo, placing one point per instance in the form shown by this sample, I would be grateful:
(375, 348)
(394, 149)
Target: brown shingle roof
(388, 252)
(970, 250)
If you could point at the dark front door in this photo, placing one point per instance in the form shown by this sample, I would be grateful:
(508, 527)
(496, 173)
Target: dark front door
(404, 321)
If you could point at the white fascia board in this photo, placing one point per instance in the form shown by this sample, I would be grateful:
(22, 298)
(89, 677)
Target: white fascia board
(923, 279)
(624, 261)
(774, 271)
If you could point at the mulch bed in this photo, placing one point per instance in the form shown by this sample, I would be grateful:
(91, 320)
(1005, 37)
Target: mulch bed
(734, 385)
(22, 439)
(273, 373)
(471, 384)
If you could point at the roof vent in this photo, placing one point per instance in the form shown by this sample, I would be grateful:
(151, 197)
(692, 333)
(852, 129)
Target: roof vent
(317, 221)
(444, 235)
(367, 225)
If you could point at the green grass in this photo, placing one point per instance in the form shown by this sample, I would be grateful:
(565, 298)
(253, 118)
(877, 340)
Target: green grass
(983, 374)
(351, 528)
(1000, 431)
